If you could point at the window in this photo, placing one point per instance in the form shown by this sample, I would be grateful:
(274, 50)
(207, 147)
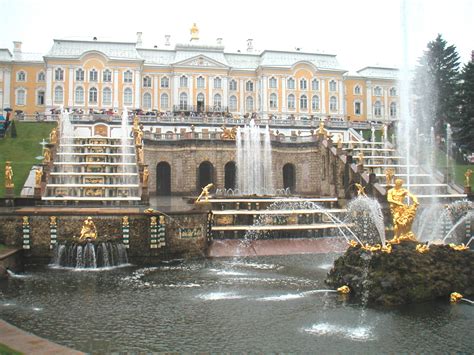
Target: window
(357, 90)
(127, 96)
(291, 101)
(333, 104)
(147, 100)
(183, 82)
(201, 82)
(249, 103)
(315, 103)
(93, 75)
(217, 83)
(79, 95)
(107, 76)
(332, 85)
(232, 85)
(217, 100)
(273, 101)
(79, 75)
(107, 96)
(393, 109)
(315, 85)
(303, 102)
(377, 108)
(357, 108)
(127, 76)
(146, 82)
(393, 91)
(40, 98)
(20, 97)
(21, 76)
(58, 94)
(59, 75)
(233, 103)
(303, 84)
(377, 91)
(92, 96)
(272, 83)
(290, 83)
(165, 82)
(41, 76)
(249, 86)
(183, 99)
(164, 101)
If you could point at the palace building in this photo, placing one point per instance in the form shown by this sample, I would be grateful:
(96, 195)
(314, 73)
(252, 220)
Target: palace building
(193, 77)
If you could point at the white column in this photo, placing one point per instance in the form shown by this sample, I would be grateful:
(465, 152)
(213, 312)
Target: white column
(369, 100)
(341, 98)
(175, 98)
(264, 95)
(191, 91)
(323, 96)
(6, 88)
(386, 107)
(116, 91)
(49, 87)
(70, 94)
(155, 92)
(242, 99)
(137, 88)
(225, 88)
(283, 95)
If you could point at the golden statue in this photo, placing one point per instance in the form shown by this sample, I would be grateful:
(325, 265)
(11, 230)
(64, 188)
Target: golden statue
(339, 142)
(136, 123)
(52, 220)
(322, 131)
(88, 230)
(153, 221)
(352, 243)
(389, 174)
(125, 221)
(455, 297)
(47, 155)
(228, 133)
(9, 176)
(53, 136)
(38, 175)
(387, 248)
(140, 156)
(402, 214)
(467, 178)
(138, 136)
(459, 247)
(360, 156)
(146, 175)
(360, 189)
(422, 248)
(25, 220)
(344, 289)
(194, 32)
(204, 193)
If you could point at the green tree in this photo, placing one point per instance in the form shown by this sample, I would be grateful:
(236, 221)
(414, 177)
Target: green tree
(463, 128)
(435, 85)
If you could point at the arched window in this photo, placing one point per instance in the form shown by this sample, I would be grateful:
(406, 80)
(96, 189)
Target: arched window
(21, 76)
(357, 108)
(290, 83)
(127, 76)
(146, 82)
(230, 175)
(107, 76)
(79, 95)
(249, 86)
(315, 85)
(332, 85)
(333, 104)
(393, 109)
(233, 103)
(393, 91)
(217, 83)
(40, 98)
(291, 102)
(357, 90)
(163, 179)
(183, 100)
(205, 175)
(217, 101)
(93, 96)
(58, 95)
(127, 96)
(201, 82)
(315, 103)
(106, 96)
(147, 100)
(21, 97)
(378, 108)
(164, 101)
(272, 83)
(249, 103)
(59, 74)
(377, 91)
(183, 82)
(165, 82)
(303, 102)
(232, 85)
(93, 75)
(273, 101)
(303, 84)
(41, 76)
(79, 75)
(289, 177)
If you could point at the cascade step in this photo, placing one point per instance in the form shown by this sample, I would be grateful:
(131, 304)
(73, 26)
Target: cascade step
(280, 227)
(277, 212)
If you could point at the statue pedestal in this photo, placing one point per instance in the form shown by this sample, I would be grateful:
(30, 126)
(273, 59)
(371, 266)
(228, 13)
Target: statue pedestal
(9, 193)
(467, 190)
(37, 193)
(360, 168)
(145, 195)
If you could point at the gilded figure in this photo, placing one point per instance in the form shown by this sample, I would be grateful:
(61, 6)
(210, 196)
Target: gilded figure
(467, 177)
(8, 175)
(403, 214)
(204, 193)
(146, 175)
(88, 231)
(47, 155)
(38, 176)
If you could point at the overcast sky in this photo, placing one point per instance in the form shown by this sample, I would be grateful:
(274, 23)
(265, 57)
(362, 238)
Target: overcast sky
(360, 33)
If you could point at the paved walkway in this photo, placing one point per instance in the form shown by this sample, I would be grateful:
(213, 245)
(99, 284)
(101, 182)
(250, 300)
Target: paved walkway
(28, 343)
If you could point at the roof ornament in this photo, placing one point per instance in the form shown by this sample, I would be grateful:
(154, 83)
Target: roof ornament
(194, 33)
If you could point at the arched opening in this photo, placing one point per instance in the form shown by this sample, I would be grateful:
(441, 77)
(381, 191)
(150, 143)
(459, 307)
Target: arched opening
(229, 175)
(289, 177)
(200, 102)
(205, 174)
(163, 179)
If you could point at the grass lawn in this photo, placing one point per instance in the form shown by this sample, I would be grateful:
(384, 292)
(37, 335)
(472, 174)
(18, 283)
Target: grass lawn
(459, 169)
(8, 351)
(22, 151)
